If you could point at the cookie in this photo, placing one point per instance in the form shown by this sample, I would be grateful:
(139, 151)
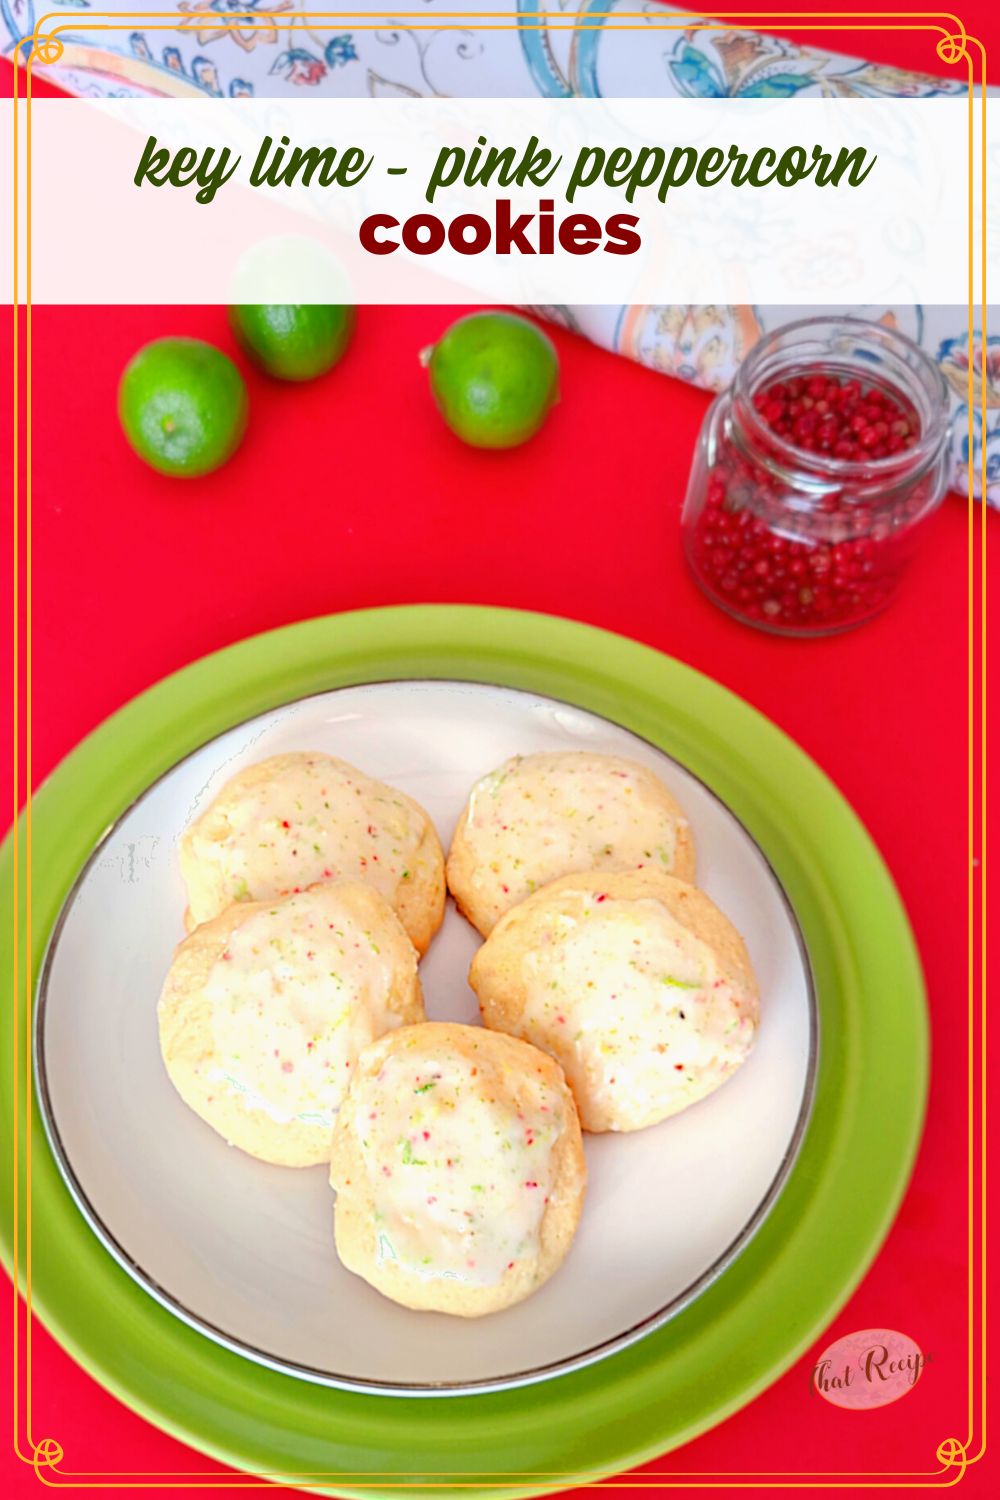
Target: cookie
(634, 982)
(266, 1008)
(293, 820)
(459, 1169)
(539, 817)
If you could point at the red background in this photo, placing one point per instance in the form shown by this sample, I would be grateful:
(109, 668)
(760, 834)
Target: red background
(350, 492)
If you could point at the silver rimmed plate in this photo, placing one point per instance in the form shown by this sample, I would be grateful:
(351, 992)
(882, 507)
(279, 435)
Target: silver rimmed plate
(243, 1251)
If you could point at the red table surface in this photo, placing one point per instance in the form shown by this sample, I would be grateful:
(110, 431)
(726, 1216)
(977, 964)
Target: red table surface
(349, 492)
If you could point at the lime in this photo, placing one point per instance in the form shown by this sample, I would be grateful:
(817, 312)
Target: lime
(293, 343)
(494, 377)
(183, 406)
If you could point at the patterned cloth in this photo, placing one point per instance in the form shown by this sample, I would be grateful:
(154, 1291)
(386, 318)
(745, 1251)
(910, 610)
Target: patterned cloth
(258, 56)
(705, 344)
(261, 56)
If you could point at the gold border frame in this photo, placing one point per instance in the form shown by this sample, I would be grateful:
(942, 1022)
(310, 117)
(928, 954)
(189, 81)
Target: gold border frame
(954, 1456)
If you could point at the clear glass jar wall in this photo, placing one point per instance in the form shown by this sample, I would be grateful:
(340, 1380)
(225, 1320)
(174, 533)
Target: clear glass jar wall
(813, 473)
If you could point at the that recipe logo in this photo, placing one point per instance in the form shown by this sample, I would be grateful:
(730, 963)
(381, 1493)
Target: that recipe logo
(868, 1369)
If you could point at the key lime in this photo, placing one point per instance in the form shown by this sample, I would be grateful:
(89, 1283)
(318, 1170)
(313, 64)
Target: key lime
(183, 406)
(495, 377)
(293, 343)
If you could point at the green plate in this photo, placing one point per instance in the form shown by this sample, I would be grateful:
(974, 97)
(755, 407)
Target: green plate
(770, 1305)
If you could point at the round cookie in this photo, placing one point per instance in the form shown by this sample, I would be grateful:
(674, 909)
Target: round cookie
(266, 1008)
(459, 1169)
(542, 816)
(296, 819)
(634, 981)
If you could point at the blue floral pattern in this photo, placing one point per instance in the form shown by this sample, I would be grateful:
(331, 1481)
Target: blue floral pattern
(299, 66)
(751, 65)
(554, 62)
(702, 62)
(984, 449)
(698, 76)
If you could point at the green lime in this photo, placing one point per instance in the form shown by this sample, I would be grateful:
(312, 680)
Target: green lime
(183, 406)
(495, 377)
(293, 343)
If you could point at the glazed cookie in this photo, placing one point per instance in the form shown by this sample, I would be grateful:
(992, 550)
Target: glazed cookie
(459, 1169)
(266, 1008)
(296, 819)
(634, 981)
(542, 816)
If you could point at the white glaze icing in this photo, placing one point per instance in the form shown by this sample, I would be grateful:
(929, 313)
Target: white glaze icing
(316, 818)
(298, 992)
(460, 1173)
(634, 1006)
(556, 813)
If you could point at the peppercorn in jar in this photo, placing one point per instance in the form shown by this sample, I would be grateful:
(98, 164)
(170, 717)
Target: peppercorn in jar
(813, 473)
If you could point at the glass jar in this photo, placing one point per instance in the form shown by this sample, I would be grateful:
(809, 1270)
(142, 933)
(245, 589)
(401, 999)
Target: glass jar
(813, 473)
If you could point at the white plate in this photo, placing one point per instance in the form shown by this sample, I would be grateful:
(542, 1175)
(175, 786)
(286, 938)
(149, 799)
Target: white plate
(243, 1251)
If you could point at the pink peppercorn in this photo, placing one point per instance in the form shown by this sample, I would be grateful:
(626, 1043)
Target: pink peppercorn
(808, 483)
